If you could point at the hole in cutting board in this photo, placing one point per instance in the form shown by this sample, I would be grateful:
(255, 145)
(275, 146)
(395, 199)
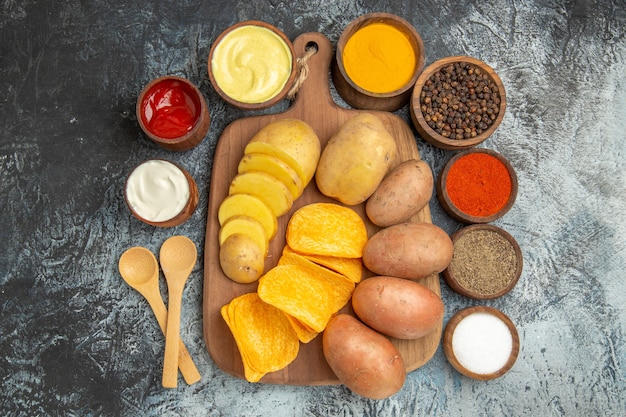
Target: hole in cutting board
(311, 45)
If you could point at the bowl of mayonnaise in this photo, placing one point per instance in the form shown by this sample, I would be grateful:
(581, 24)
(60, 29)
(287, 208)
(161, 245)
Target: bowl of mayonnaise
(252, 65)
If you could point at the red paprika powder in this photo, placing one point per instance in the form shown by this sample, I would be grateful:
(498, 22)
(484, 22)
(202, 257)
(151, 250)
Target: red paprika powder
(479, 184)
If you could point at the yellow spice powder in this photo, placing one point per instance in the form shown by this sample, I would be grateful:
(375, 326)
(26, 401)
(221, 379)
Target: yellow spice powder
(379, 58)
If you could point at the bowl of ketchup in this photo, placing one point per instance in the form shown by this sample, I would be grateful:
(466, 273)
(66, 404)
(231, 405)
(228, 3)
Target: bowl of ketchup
(173, 113)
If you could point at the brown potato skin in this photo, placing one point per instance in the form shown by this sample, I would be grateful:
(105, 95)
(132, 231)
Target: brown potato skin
(355, 160)
(408, 250)
(364, 360)
(241, 258)
(404, 191)
(397, 307)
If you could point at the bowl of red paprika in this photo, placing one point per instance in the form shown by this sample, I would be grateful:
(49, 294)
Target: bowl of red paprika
(457, 102)
(477, 186)
(173, 113)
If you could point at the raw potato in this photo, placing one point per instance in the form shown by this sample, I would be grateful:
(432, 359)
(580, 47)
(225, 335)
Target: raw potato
(266, 187)
(293, 141)
(273, 166)
(408, 250)
(364, 360)
(355, 160)
(397, 307)
(248, 205)
(247, 226)
(241, 259)
(402, 193)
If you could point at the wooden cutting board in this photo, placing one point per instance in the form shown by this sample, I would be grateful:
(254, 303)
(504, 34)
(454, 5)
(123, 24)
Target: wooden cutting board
(315, 106)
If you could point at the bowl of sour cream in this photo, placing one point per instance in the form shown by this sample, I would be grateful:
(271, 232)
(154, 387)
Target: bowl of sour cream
(252, 65)
(161, 193)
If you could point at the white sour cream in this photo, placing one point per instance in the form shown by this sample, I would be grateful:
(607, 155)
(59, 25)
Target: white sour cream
(157, 190)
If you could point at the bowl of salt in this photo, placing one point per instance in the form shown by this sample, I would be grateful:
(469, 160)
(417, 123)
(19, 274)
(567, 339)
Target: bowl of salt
(481, 342)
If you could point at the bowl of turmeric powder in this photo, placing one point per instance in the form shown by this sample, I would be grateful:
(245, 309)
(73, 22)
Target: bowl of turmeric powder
(377, 61)
(457, 102)
(477, 185)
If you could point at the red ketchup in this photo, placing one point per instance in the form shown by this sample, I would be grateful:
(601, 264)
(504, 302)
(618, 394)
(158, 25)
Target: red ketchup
(170, 109)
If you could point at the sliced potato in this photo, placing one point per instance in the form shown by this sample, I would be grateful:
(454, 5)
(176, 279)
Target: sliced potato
(246, 225)
(275, 151)
(248, 205)
(266, 187)
(293, 141)
(273, 166)
(241, 258)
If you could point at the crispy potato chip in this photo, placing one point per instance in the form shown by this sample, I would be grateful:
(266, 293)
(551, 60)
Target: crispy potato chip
(265, 338)
(300, 292)
(340, 287)
(304, 332)
(352, 268)
(327, 229)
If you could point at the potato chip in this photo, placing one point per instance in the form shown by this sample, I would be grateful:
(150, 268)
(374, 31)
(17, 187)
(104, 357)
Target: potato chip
(304, 332)
(300, 292)
(327, 229)
(352, 268)
(264, 336)
(340, 288)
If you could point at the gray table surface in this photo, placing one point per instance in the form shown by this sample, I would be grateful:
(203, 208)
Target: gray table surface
(75, 340)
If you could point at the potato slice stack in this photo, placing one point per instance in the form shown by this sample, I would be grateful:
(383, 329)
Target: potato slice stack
(314, 279)
(277, 165)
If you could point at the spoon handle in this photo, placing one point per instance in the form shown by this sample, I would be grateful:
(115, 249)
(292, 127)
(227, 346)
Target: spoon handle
(172, 335)
(185, 362)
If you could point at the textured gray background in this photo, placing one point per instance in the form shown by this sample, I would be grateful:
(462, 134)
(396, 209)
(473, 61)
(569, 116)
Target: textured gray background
(75, 340)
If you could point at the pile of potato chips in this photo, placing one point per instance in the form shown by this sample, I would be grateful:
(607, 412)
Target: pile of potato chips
(313, 280)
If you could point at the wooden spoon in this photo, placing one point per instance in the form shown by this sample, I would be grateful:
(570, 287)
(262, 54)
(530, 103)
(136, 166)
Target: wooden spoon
(140, 270)
(178, 256)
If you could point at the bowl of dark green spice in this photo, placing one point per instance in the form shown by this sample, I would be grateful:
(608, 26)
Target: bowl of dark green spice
(486, 262)
(457, 102)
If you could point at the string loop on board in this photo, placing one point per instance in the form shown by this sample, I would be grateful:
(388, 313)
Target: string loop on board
(302, 69)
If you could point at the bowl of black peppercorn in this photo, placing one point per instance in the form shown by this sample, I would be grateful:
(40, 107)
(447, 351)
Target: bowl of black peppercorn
(457, 102)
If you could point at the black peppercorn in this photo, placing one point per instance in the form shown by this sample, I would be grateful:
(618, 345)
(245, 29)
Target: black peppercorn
(460, 101)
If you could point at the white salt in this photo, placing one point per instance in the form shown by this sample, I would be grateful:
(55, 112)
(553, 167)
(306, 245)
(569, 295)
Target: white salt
(482, 343)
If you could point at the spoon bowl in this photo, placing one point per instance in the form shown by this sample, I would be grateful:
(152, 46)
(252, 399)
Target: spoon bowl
(178, 256)
(140, 269)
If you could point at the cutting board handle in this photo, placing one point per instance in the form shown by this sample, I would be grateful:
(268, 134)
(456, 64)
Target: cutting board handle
(315, 91)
